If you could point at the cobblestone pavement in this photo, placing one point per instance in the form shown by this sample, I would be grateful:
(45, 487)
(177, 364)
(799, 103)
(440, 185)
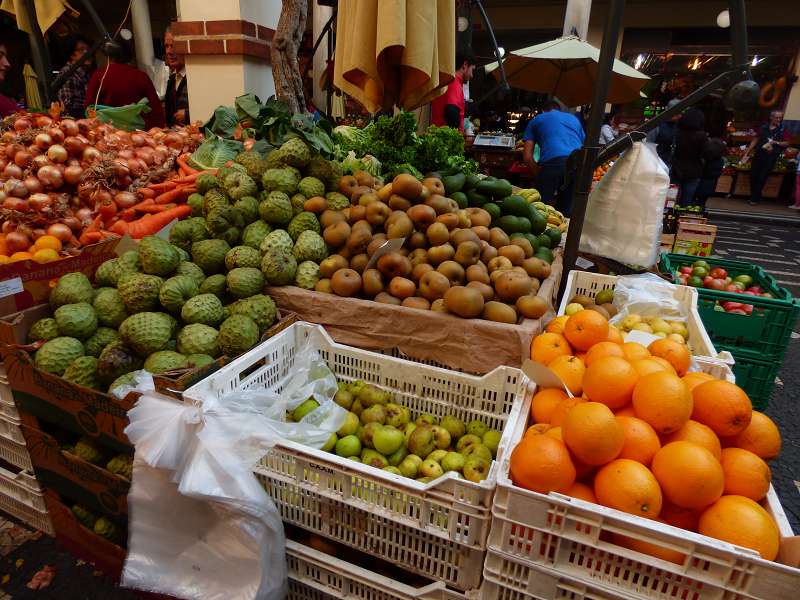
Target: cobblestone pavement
(777, 250)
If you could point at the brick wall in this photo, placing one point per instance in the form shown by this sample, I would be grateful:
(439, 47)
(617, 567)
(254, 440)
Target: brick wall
(223, 37)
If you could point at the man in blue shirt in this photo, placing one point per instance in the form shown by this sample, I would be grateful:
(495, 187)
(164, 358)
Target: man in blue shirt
(558, 135)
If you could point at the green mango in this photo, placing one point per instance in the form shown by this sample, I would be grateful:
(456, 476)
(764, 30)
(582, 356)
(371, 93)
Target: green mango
(454, 183)
(471, 182)
(544, 240)
(475, 198)
(461, 199)
(499, 188)
(492, 209)
(538, 220)
(545, 254)
(554, 235)
(515, 205)
(508, 223)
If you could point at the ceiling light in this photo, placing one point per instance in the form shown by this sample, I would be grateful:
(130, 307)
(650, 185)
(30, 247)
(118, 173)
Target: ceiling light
(462, 23)
(724, 19)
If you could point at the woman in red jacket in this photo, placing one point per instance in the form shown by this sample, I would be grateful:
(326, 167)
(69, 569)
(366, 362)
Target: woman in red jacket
(121, 84)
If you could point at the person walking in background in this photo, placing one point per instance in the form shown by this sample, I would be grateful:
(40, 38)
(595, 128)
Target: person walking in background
(665, 135)
(768, 143)
(120, 84)
(448, 109)
(72, 93)
(609, 130)
(176, 100)
(7, 105)
(558, 135)
(687, 159)
(713, 163)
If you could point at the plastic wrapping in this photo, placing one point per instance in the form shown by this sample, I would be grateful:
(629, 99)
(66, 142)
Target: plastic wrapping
(625, 211)
(646, 295)
(201, 525)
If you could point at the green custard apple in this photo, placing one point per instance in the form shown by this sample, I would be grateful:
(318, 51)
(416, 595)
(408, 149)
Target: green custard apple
(185, 233)
(310, 187)
(259, 307)
(253, 163)
(295, 152)
(165, 360)
(109, 273)
(278, 240)
(215, 284)
(192, 270)
(281, 180)
(216, 198)
(126, 379)
(248, 208)
(275, 208)
(139, 292)
(237, 334)
(255, 233)
(57, 354)
(279, 267)
(307, 275)
(176, 291)
(242, 256)
(209, 255)
(71, 288)
(76, 320)
(225, 223)
(109, 307)
(298, 204)
(116, 360)
(43, 329)
(205, 182)
(102, 338)
(146, 332)
(244, 282)
(310, 246)
(83, 371)
(199, 360)
(203, 308)
(337, 201)
(198, 339)
(158, 256)
(305, 221)
(238, 185)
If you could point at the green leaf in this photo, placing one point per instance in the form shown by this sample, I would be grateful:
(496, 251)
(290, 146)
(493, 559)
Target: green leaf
(215, 152)
(223, 122)
(247, 106)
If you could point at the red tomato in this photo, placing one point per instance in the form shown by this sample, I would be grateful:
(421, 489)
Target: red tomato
(729, 306)
(716, 284)
(747, 308)
(718, 273)
(754, 288)
(686, 270)
(735, 289)
(707, 280)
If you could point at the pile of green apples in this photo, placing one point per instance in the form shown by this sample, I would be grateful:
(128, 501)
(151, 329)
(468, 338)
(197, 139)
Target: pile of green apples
(381, 433)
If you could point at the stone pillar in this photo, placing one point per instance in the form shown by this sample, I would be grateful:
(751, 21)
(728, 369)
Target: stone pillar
(576, 18)
(227, 48)
(320, 16)
(142, 35)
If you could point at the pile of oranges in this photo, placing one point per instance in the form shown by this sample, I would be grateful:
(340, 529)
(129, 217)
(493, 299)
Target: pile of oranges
(45, 249)
(645, 436)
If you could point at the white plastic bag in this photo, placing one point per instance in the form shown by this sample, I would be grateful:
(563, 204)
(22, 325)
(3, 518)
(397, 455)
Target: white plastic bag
(646, 295)
(625, 210)
(201, 525)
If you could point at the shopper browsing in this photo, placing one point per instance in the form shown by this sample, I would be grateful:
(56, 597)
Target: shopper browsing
(609, 130)
(448, 109)
(72, 93)
(687, 159)
(176, 100)
(558, 135)
(665, 135)
(768, 144)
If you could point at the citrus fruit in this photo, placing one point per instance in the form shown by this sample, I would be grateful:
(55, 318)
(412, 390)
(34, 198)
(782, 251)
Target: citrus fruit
(664, 363)
(695, 378)
(723, 406)
(18, 256)
(641, 440)
(697, 433)
(582, 492)
(645, 366)
(662, 400)
(761, 437)
(555, 432)
(557, 325)
(745, 473)
(548, 346)
(560, 412)
(592, 433)
(4, 260)
(628, 486)
(48, 242)
(650, 548)
(544, 403)
(601, 350)
(741, 521)
(542, 464)
(586, 328)
(610, 380)
(635, 351)
(678, 516)
(570, 370)
(689, 474)
(676, 354)
(538, 429)
(45, 255)
(615, 336)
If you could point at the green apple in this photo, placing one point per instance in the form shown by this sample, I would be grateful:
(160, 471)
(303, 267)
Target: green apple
(431, 468)
(453, 461)
(408, 430)
(331, 443)
(387, 440)
(573, 308)
(350, 425)
(436, 455)
(347, 446)
(396, 415)
(441, 437)
(344, 399)
(478, 450)
(491, 439)
(424, 479)
(354, 458)
(356, 407)
(372, 396)
(396, 457)
(374, 413)
(374, 459)
(477, 428)
(631, 321)
(421, 441)
(467, 440)
(427, 419)
(476, 469)
(408, 467)
(356, 387)
(642, 327)
(392, 469)
(304, 408)
(367, 433)
(454, 426)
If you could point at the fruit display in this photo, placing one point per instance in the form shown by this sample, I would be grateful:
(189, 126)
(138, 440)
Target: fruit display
(383, 434)
(601, 170)
(701, 274)
(646, 436)
(64, 181)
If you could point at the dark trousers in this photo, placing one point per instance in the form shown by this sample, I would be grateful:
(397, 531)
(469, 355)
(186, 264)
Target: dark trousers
(705, 190)
(549, 181)
(760, 169)
(688, 187)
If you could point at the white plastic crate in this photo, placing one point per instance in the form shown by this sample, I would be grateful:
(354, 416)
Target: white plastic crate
(314, 575)
(7, 407)
(590, 284)
(12, 444)
(21, 497)
(571, 536)
(438, 529)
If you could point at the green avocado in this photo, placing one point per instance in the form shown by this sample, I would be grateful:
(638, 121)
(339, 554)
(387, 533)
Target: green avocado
(492, 209)
(460, 198)
(454, 183)
(554, 235)
(538, 220)
(499, 188)
(515, 205)
(545, 254)
(471, 182)
(475, 198)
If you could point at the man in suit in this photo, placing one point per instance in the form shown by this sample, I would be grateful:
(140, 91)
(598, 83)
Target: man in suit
(176, 100)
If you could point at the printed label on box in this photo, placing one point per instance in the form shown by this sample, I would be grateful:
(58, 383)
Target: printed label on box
(12, 286)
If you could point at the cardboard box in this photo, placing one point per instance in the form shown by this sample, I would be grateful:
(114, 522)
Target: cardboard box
(741, 186)
(724, 184)
(695, 239)
(667, 241)
(27, 283)
(772, 186)
(89, 485)
(471, 345)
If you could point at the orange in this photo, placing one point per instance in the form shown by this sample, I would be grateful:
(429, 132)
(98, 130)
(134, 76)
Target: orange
(586, 328)
(545, 402)
(537, 429)
(662, 400)
(582, 492)
(697, 433)
(557, 324)
(675, 353)
(723, 406)
(743, 522)
(548, 346)
(695, 378)
(761, 437)
(581, 356)
(650, 548)
(570, 370)
(4, 260)
(635, 351)
(677, 516)
(560, 412)
(45, 255)
(628, 486)
(17, 256)
(602, 349)
(689, 474)
(625, 411)
(48, 242)
(641, 440)
(664, 363)
(645, 366)
(745, 473)
(615, 336)
(592, 433)
(555, 432)
(610, 380)
(542, 464)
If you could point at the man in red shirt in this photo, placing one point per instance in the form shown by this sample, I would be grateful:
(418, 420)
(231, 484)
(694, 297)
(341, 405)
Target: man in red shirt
(448, 109)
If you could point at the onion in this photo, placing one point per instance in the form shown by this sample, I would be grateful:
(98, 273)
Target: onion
(101, 196)
(173, 140)
(147, 154)
(40, 161)
(7, 137)
(12, 149)
(125, 199)
(72, 174)
(16, 204)
(91, 154)
(3, 163)
(43, 140)
(121, 168)
(17, 242)
(43, 121)
(23, 159)
(137, 139)
(37, 233)
(12, 171)
(40, 202)
(50, 177)
(136, 166)
(69, 127)
(8, 227)
(57, 134)
(62, 231)
(124, 182)
(74, 145)
(14, 187)
(35, 150)
(57, 153)
(84, 215)
(85, 190)
(126, 153)
(33, 184)
(22, 124)
(85, 125)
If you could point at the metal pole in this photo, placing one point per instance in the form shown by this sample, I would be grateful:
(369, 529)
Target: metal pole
(738, 32)
(98, 22)
(41, 60)
(588, 154)
(503, 81)
(143, 36)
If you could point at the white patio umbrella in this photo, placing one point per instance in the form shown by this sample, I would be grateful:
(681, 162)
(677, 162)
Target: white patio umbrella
(567, 68)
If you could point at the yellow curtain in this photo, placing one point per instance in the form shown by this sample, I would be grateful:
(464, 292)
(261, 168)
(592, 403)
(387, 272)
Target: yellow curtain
(32, 97)
(47, 12)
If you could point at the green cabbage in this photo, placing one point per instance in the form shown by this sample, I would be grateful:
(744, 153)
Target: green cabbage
(367, 163)
(214, 152)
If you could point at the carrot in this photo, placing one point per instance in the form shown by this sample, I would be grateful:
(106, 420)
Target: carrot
(163, 186)
(90, 237)
(179, 194)
(129, 214)
(151, 224)
(193, 177)
(144, 204)
(181, 160)
(147, 192)
(157, 208)
(120, 227)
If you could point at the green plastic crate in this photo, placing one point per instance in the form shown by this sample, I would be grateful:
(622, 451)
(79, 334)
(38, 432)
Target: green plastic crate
(754, 376)
(765, 333)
